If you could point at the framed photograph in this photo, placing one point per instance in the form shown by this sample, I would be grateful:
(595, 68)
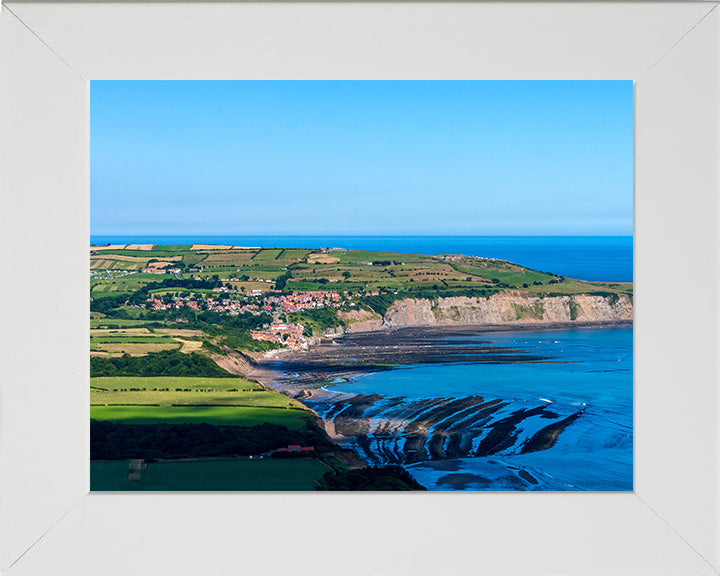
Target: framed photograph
(464, 250)
(359, 334)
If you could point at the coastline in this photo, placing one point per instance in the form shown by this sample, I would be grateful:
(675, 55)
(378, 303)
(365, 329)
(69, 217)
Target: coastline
(261, 369)
(471, 428)
(305, 374)
(507, 326)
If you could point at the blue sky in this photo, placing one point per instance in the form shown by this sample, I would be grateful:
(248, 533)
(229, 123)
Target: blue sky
(345, 158)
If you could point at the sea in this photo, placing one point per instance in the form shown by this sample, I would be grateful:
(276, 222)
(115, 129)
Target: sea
(586, 371)
(589, 370)
(594, 258)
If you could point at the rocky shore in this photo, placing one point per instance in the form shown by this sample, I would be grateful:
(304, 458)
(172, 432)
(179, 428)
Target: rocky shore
(407, 430)
(341, 357)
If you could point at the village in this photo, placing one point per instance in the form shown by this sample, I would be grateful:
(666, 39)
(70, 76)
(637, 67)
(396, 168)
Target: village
(253, 301)
(259, 302)
(290, 335)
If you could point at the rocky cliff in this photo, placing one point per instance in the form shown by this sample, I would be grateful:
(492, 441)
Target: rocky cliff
(504, 308)
(361, 320)
(234, 361)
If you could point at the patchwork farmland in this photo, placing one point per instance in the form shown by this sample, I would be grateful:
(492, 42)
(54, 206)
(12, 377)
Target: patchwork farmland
(175, 332)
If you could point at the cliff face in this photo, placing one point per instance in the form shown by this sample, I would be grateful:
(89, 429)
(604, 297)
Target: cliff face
(361, 320)
(233, 361)
(505, 308)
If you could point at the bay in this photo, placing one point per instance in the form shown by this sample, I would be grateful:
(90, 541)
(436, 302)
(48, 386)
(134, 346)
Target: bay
(584, 378)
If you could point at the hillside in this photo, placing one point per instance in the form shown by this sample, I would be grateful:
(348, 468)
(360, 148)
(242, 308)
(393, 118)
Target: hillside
(215, 300)
(175, 332)
(122, 270)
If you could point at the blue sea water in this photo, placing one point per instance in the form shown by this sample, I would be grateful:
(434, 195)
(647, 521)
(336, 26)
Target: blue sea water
(589, 369)
(595, 258)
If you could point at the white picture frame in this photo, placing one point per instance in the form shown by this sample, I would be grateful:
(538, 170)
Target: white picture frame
(50, 524)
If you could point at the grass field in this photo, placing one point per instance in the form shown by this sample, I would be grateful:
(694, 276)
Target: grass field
(133, 349)
(172, 247)
(322, 259)
(210, 475)
(228, 258)
(228, 401)
(172, 397)
(295, 253)
(120, 322)
(267, 255)
(218, 415)
(161, 391)
(247, 286)
(177, 291)
(137, 341)
(129, 283)
(191, 398)
(398, 271)
(112, 264)
(195, 383)
(130, 339)
(157, 252)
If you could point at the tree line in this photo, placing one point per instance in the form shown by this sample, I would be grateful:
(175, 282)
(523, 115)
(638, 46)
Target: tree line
(164, 363)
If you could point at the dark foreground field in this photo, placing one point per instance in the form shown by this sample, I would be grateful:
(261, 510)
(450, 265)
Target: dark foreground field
(238, 474)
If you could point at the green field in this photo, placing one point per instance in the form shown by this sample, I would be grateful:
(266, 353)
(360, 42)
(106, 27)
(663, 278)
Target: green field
(393, 271)
(172, 382)
(192, 398)
(129, 283)
(110, 264)
(218, 415)
(157, 253)
(132, 340)
(177, 291)
(210, 475)
(170, 248)
(126, 336)
(119, 322)
(131, 348)
(180, 392)
(267, 255)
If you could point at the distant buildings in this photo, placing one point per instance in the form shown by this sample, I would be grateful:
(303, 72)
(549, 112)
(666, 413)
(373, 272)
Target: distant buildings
(281, 333)
(304, 300)
(256, 302)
